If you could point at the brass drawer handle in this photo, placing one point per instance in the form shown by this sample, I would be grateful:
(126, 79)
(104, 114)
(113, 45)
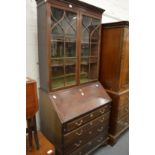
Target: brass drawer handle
(102, 111)
(78, 144)
(79, 123)
(100, 130)
(79, 133)
(102, 120)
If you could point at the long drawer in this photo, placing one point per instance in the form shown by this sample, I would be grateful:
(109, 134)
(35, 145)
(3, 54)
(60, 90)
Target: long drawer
(123, 110)
(85, 139)
(122, 123)
(93, 143)
(84, 119)
(86, 131)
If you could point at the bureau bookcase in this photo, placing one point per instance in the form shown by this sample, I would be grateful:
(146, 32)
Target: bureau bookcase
(114, 74)
(74, 107)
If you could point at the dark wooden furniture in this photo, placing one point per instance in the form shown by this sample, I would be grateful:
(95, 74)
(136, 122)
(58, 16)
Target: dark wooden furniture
(76, 119)
(69, 43)
(31, 98)
(46, 148)
(31, 109)
(114, 74)
(74, 107)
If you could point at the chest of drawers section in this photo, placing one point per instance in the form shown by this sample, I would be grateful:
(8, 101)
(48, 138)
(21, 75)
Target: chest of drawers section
(85, 132)
(71, 119)
(119, 119)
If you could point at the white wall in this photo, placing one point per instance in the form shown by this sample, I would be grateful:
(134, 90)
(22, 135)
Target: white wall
(32, 69)
(115, 10)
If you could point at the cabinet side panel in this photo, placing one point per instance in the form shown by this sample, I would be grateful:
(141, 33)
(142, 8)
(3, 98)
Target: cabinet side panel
(50, 123)
(110, 57)
(124, 73)
(43, 46)
(114, 113)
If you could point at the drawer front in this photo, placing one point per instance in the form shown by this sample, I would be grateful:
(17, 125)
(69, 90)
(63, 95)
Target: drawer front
(86, 118)
(122, 123)
(124, 110)
(80, 142)
(90, 145)
(95, 126)
(85, 138)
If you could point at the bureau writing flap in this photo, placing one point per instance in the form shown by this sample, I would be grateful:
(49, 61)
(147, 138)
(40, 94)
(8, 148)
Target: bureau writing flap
(73, 102)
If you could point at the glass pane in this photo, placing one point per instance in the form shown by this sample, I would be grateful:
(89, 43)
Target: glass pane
(70, 71)
(93, 69)
(94, 49)
(84, 70)
(93, 60)
(95, 22)
(57, 62)
(57, 76)
(69, 24)
(58, 83)
(56, 14)
(72, 20)
(85, 49)
(57, 33)
(70, 49)
(86, 21)
(57, 30)
(95, 35)
(71, 29)
(57, 49)
(89, 69)
(64, 23)
(85, 36)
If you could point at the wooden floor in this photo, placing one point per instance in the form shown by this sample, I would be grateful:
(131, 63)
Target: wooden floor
(45, 146)
(120, 148)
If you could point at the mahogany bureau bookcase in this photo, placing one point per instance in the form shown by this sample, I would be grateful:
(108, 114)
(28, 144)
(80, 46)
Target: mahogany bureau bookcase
(74, 107)
(114, 74)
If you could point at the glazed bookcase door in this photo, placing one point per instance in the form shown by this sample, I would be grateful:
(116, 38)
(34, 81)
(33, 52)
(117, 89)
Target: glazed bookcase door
(90, 31)
(63, 48)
